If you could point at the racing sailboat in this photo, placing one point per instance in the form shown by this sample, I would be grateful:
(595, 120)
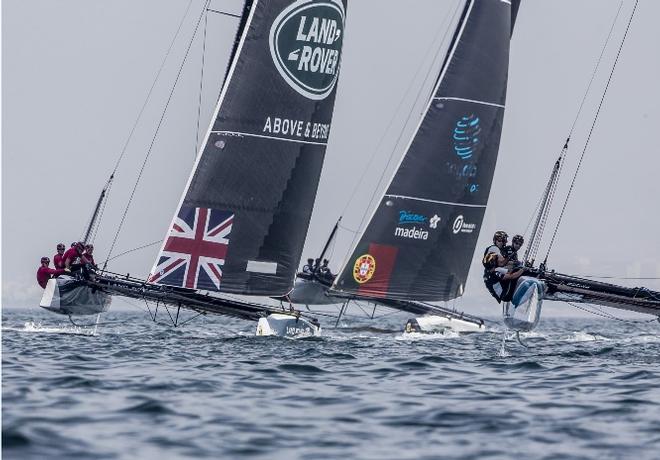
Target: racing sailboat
(418, 245)
(240, 225)
(522, 311)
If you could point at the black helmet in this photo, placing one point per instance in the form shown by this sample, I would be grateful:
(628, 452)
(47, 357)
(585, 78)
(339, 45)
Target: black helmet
(45, 260)
(518, 239)
(500, 236)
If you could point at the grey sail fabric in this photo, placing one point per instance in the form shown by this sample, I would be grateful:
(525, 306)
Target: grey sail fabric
(243, 218)
(420, 241)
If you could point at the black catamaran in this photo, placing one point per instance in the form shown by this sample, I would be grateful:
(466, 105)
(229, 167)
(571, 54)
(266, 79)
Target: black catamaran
(242, 220)
(418, 245)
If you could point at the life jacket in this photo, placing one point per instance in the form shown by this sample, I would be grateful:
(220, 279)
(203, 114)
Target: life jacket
(486, 261)
(510, 253)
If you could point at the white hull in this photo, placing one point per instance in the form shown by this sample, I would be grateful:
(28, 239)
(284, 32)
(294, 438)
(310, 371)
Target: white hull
(436, 323)
(283, 325)
(523, 313)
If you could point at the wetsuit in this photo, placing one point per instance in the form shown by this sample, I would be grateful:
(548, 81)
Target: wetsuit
(497, 287)
(511, 254)
(46, 273)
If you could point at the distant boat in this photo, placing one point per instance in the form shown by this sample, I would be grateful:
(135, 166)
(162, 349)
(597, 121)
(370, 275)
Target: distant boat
(241, 222)
(418, 245)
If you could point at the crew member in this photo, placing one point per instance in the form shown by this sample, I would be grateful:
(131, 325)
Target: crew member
(317, 265)
(58, 259)
(88, 257)
(308, 268)
(499, 241)
(511, 251)
(44, 273)
(73, 255)
(499, 281)
(325, 272)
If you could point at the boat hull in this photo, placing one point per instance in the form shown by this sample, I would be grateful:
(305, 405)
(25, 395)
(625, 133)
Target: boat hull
(67, 296)
(437, 323)
(283, 325)
(523, 312)
(311, 292)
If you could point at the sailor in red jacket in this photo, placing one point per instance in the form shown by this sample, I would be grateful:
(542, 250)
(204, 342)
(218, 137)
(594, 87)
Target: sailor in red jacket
(44, 273)
(58, 259)
(88, 257)
(72, 255)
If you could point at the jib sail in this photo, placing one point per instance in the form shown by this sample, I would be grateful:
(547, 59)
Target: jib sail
(419, 243)
(243, 218)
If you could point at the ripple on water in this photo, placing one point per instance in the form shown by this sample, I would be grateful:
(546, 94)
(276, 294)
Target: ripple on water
(212, 389)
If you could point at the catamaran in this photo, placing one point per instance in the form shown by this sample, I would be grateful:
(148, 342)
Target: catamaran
(418, 245)
(240, 225)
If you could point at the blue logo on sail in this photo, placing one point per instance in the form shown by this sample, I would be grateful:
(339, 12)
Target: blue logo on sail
(466, 136)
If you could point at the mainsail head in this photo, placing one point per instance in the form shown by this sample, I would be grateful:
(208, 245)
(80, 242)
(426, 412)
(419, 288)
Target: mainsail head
(242, 221)
(419, 243)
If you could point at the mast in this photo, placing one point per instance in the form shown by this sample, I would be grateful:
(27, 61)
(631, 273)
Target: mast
(330, 238)
(242, 220)
(97, 209)
(420, 240)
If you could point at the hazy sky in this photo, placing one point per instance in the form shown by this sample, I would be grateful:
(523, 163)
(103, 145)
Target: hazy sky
(75, 75)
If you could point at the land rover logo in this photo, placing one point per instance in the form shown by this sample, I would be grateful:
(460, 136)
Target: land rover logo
(305, 44)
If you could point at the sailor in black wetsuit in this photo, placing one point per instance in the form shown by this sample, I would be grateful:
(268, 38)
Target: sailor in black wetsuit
(498, 280)
(499, 241)
(511, 252)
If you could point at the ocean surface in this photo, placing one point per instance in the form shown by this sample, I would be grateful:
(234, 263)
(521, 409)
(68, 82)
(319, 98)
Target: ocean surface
(585, 388)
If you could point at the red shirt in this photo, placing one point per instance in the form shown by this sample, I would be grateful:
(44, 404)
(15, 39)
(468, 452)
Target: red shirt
(71, 255)
(89, 257)
(58, 260)
(45, 273)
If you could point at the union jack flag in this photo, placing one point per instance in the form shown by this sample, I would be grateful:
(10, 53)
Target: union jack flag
(195, 250)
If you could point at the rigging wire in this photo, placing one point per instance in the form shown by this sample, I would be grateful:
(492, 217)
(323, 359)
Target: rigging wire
(543, 209)
(445, 26)
(620, 277)
(144, 246)
(599, 312)
(201, 84)
(140, 113)
(591, 130)
(153, 140)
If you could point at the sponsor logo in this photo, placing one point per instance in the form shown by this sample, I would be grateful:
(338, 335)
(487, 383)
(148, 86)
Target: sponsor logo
(462, 171)
(291, 330)
(364, 268)
(460, 226)
(407, 217)
(466, 136)
(305, 44)
(417, 231)
(413, 233)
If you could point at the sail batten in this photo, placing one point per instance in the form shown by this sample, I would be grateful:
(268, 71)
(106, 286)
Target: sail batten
(419, 242)
(242, 220)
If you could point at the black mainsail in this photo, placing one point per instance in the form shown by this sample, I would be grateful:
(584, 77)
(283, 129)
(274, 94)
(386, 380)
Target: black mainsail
(242, 220)
(419, 243)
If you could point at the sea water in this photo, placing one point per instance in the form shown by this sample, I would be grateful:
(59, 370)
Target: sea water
(585, 388)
